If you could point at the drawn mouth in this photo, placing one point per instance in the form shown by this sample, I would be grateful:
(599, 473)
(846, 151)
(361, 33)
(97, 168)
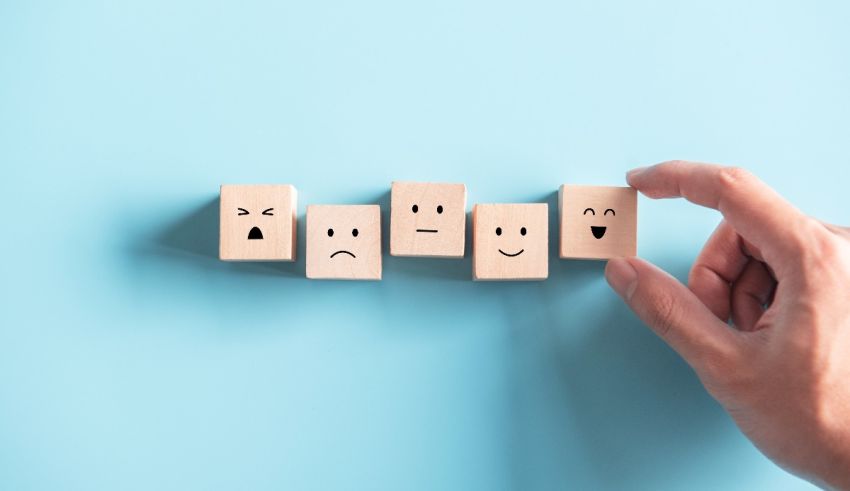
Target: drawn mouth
(255, 234)
(342, 252)
(598, 232)
(429, 230)
(512, 255)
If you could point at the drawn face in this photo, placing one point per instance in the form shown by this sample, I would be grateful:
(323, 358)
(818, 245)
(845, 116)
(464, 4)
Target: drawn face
(257, 223)
(598, 231)
(510, 241)
(344, 241)
(597, 222)
(427, 219)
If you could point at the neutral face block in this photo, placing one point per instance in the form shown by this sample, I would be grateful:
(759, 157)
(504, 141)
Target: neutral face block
(427, 219)
(344, 242)
(510, 241)
(597, 222)
(257, 222)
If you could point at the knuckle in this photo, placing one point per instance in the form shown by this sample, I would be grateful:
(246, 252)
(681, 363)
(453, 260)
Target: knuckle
(664, 315)
(733, 177)
(818, 248)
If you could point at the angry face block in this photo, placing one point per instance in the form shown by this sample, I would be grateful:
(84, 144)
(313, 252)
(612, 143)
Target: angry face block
(257, 222)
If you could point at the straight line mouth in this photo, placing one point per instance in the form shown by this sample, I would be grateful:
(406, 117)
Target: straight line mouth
(428, 230)
(512, 255)
(342, 252)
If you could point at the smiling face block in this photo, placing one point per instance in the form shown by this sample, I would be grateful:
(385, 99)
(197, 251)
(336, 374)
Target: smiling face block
(510, 241)
(597, 222)
(427, 219)
(257, 222)
(344, 242)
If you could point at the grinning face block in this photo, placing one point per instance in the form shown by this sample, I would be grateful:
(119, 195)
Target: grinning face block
(427, 219)
(510, 241)
(257, 222)
(344, 242)
(597, 222)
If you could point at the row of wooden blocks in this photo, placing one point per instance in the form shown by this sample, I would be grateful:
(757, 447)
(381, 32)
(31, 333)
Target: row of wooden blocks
(509, 241)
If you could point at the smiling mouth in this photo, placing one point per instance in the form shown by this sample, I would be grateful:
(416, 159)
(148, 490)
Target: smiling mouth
(342, 252)
(512, 255)
(429, 230)
(598, 232)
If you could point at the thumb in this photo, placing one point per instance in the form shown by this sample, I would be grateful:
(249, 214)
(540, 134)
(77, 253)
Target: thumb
(673, 312)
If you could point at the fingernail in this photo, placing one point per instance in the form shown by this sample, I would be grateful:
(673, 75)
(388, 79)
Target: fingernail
(635, 173)
(622, 277)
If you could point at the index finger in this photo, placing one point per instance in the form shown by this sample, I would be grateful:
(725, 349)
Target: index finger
(757, 212)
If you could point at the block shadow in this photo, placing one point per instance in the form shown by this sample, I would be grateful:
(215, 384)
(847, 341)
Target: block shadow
(192, 238)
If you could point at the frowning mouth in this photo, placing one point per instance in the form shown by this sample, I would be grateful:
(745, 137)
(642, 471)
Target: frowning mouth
(512, 255)
(342, 252)
(428, 230)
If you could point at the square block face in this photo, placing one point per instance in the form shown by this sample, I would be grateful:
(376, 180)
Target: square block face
(344, 242)
(257, 222)
(427, 219)
(597, 222)
(510, 241)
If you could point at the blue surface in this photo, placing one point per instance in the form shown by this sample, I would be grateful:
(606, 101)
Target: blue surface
(131, 358)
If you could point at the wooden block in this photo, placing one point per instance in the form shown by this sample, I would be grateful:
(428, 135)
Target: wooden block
(427, 219)
(344, 242)
(597, 222)
(257, 222)
(510, 241)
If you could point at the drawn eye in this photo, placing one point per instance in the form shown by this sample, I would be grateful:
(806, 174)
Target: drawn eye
(268, 212)
(611, 210)
(590, 210)
(330, 232)
(439, 208)
(415, 208)
(242, 211)
(522, 231)
(498, 230)
(354, 232)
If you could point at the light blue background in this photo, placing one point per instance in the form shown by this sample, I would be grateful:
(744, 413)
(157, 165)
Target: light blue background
(131, 358)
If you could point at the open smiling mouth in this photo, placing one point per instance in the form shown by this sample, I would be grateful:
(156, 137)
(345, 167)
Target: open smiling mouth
(512, 255)
(342, 252)
(429, 230)
(598, 232)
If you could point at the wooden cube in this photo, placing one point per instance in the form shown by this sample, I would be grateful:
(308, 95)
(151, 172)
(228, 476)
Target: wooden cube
(344, 242)
(257, 222)
(427, 219)
(597, 222)
(510, 241)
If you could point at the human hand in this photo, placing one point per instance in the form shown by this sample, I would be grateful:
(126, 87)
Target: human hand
(782, 368)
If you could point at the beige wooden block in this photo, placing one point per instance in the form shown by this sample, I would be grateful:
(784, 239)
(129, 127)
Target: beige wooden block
(427, 219)
(597, 222)
(510, 241)
(344, 242)
(257, 222)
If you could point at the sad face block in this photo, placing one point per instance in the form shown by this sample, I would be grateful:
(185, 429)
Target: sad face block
(510, 241)
(257, 222)
(344, 242)
(427, 219)
(597, 222)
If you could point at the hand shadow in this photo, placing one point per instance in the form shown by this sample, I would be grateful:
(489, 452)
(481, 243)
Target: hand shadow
(596, 390)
